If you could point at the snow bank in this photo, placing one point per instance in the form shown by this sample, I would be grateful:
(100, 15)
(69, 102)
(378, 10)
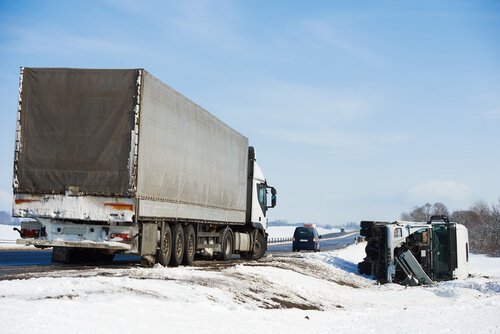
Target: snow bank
(484, 265)
(296, 293)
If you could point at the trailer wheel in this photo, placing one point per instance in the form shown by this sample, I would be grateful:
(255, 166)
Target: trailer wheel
(165, 245)
(177, 245)
(189, 245)
(226, 245)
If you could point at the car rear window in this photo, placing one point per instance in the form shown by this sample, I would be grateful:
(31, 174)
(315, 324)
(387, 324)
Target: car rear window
(303, 232)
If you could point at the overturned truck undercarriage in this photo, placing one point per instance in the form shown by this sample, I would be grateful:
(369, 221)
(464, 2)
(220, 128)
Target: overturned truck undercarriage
(412, 253)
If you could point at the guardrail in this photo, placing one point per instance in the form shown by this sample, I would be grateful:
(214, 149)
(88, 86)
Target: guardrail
(276, 241)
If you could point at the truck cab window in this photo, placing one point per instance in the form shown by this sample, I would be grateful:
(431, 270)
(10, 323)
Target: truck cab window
(466, 252)
(262, 195)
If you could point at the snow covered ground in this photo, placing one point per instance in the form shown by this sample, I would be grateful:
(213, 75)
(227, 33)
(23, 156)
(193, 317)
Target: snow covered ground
(296, 293)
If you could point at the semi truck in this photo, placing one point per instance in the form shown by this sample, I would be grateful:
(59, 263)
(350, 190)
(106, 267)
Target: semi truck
(413, 253)
(114, 161)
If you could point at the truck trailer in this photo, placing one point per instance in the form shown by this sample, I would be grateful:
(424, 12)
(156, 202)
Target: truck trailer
(412, 253)
(114, 161)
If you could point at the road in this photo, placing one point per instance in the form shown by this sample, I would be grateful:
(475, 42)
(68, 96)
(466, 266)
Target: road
(335, 241)
(24, 262)
(15, 262)
(42, 257)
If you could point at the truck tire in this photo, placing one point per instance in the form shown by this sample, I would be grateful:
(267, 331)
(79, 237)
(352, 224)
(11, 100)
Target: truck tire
(177, 245)
(366, 224)
(259, 248)
(189, 245)
(365, 268)
(366, 229)
(365, 232)
(226, 245)
(165, 245)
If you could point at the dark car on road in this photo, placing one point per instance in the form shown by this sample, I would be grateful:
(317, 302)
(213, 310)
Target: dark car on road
(306, 238)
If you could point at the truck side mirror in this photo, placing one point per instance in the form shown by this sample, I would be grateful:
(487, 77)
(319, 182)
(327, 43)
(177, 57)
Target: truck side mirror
(273, 197)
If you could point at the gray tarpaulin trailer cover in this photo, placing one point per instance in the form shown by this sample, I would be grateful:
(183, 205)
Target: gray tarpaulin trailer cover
(76, 130)
(124, 133)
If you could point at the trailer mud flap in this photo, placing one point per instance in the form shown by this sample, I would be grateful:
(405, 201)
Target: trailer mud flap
(149, 238)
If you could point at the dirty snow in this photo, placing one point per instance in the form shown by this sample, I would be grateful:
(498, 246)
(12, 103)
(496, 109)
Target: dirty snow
(295, 293)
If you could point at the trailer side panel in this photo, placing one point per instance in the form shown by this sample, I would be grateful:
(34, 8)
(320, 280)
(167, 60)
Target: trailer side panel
(190, 164)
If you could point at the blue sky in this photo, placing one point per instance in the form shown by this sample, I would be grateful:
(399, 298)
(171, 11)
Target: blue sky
(357, 109)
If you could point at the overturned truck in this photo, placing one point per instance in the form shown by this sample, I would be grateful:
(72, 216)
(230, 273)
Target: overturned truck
(413, 253)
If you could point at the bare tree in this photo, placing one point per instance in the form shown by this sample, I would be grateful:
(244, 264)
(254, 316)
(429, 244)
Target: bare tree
(469, 219)
(405, 216)
(482, 221)
(495, 243)
(423, 213)
(439, 208)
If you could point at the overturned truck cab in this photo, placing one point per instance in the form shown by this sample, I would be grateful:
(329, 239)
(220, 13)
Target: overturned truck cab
(412, 253)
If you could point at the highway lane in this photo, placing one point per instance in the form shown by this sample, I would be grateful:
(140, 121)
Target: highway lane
(14, 262)
(27, 262)
(24, 257)
(42, 257)
(19, 262)
(336, 241)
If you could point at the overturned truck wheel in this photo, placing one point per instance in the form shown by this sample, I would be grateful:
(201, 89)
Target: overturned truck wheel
(365, 268)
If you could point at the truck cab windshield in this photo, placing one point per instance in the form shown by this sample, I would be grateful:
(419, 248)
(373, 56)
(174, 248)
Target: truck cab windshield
(441, 246)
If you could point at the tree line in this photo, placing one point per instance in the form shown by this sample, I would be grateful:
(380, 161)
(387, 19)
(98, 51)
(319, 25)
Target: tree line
(482, 221)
